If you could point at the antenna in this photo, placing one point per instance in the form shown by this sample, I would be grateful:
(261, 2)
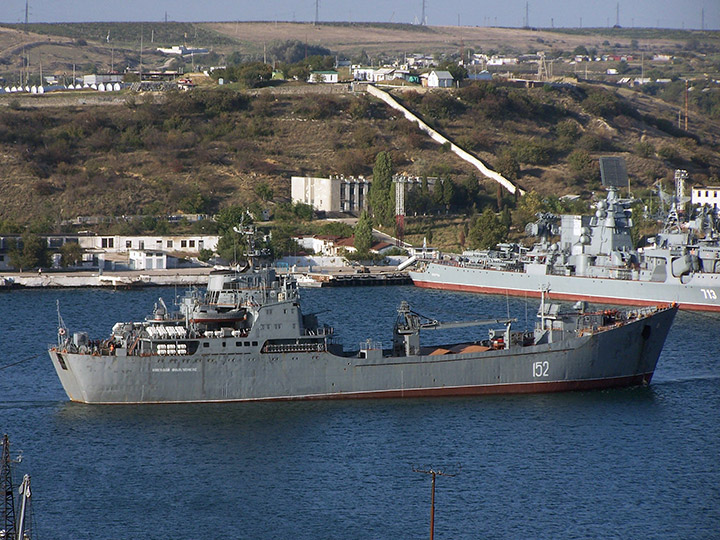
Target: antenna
(317, 10)
(617, 14)
(434, 473)
(527, 17)
(7, 486)
(423, 20)
(26, 15)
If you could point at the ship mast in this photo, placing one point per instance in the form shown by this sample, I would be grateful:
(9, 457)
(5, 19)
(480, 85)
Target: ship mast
(7, 486)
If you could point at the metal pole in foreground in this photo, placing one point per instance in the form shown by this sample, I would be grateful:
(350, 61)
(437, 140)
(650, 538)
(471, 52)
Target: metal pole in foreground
(434, 473)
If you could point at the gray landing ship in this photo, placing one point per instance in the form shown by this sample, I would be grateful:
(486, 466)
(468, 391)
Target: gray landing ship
(594, 261)
(246, 339)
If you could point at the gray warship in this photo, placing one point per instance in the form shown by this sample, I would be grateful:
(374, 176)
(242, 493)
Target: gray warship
(246, 339)
(594, 261)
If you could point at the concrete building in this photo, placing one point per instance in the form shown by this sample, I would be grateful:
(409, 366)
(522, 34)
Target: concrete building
(334, 194)
(708, 195)
(102, 78)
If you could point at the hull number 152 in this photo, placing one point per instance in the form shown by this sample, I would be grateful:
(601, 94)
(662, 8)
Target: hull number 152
(540, 369)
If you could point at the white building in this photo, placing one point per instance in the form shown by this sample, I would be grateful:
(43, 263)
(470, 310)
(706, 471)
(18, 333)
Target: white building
(334, 194)
(440, 79)
(323, 77)
(141, 259)
(102, 78)
(190, 244)
(709, 195)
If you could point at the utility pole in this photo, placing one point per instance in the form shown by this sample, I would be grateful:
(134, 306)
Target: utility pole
(686, 104)
(433, 473)
(317, 11)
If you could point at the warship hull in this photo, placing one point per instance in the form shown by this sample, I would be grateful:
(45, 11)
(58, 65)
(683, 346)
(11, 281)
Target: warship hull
(224, 370)
(693, 292)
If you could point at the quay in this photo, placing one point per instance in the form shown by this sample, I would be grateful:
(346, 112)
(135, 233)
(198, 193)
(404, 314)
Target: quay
(132, 279)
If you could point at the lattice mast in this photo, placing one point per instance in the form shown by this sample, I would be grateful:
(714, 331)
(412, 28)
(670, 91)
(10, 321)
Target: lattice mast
(400, 182)
(7, 486)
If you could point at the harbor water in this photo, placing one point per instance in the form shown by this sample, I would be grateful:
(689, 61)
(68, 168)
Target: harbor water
(631, 463)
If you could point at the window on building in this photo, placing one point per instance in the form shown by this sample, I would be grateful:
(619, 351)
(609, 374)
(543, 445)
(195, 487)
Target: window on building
(107, 242)
(183, 243)
(128, 243)
(169, 243)
(192, 243)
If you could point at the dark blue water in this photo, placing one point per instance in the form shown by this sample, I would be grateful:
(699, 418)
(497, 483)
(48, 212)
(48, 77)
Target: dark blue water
(635, 463)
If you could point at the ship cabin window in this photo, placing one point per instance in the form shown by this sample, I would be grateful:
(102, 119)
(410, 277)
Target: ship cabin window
(254, 343)
(206, 344)
(247, 343)
(238, 343)
(707, 193)
(223, 343)
(169, 243)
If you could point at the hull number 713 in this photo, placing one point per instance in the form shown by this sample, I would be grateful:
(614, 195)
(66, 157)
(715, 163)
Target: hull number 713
(709, 294)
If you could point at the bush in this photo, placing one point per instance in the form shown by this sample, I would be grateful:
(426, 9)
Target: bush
(534, 151)
(645, 149)
(669, 153)
(507, 165)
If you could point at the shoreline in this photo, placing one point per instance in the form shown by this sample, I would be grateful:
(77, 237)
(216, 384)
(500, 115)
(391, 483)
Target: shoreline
(130, 279)
(117, 279)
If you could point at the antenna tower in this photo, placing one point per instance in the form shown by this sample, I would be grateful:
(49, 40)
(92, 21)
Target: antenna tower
(400, 182)
(617, 14)
(527, 15)
(317, 11)
(7, 486)
(423, 21)
(26, 15)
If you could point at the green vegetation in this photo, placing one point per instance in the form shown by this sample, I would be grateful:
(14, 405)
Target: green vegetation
(382, 192)
(31, 253)
(169, 33)
(363, 234)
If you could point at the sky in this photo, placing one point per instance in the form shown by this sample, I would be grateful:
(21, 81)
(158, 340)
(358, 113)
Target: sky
(540, 13)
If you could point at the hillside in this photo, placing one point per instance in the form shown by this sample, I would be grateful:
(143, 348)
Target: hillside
(205, 150)
(100, 47)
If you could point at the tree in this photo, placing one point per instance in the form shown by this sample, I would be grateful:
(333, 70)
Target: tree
(33, 254)
(363, 233)
(487, 231)
(382, 193)
(507, 165)
(70, 254)
(264, 191)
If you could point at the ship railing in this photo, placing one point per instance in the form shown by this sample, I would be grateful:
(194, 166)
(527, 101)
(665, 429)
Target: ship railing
(370, 345)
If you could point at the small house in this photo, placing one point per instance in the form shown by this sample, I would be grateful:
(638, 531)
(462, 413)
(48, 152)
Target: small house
(440, 79)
